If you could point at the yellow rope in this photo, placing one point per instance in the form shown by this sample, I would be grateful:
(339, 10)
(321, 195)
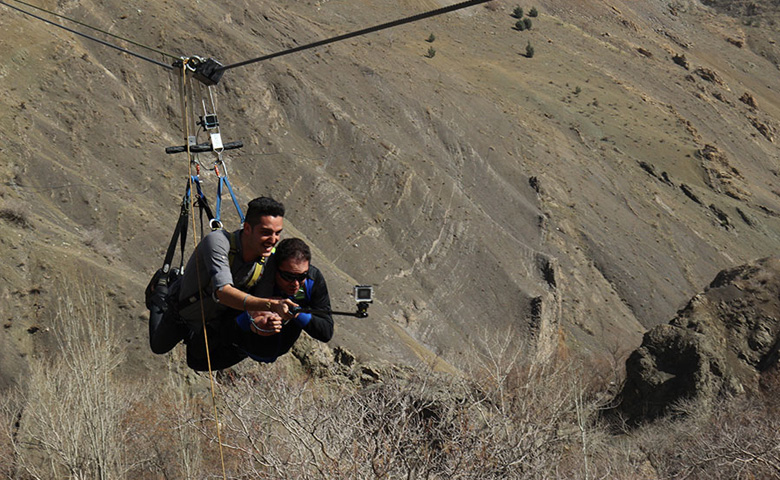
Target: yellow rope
(186, 112)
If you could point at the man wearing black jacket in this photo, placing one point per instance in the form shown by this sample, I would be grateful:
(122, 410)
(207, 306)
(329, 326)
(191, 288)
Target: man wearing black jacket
(295, 279)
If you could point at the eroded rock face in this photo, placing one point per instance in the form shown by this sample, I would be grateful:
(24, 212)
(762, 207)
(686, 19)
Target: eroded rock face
(722, 342)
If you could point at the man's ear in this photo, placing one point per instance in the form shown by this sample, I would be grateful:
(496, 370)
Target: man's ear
(247, 228)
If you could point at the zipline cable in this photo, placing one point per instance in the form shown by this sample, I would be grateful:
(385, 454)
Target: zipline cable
(132, 42)
(327, 41)
(89, 37)
(376, 28)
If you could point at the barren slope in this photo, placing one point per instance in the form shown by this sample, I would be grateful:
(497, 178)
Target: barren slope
(478, 189)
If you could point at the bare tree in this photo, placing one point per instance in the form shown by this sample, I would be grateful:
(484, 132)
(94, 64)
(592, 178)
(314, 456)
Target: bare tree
(513, 416)
(74, 409)
(736, 438)
(10, 414)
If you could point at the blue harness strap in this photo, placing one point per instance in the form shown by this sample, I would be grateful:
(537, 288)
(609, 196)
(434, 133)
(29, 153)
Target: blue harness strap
(223, 181)
(180, 231)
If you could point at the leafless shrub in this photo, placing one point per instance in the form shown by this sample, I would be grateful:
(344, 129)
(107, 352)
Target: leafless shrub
(18, 215)
(493, 5)
(77, 418)
(528, 408)
(735, 439)
(275, 427)
(10, 411)
(74, 406)
(188, 440)
(511, 418)
(166, 428)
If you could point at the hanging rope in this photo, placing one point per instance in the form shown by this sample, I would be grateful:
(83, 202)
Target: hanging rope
(187, 116)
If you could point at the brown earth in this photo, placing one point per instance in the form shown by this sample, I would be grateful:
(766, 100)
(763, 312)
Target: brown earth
(584, 193)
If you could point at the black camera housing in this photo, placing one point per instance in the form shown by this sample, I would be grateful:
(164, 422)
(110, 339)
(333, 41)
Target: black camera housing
(364, 293)
(209, 121)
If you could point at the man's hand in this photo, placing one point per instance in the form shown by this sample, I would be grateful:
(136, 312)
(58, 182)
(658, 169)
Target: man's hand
(283, 307)
(266, 323)
(232, 297)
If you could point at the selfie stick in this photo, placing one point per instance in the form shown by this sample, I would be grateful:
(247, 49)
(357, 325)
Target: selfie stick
(362, 311)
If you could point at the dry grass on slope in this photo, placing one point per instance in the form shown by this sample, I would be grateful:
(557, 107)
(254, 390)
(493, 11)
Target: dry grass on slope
(508, 418)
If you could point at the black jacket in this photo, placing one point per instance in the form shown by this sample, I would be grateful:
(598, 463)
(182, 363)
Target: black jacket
(319, 326)
(229, 344)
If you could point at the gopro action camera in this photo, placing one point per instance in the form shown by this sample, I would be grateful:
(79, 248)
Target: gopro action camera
(364, 293)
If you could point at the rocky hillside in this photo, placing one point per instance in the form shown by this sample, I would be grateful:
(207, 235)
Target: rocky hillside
(580, 194)
(724, 342)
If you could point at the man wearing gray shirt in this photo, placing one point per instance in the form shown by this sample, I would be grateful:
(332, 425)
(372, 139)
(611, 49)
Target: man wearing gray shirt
(223, 277)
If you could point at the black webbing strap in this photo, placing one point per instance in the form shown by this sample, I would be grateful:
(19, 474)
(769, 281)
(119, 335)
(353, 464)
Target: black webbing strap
(180, 231)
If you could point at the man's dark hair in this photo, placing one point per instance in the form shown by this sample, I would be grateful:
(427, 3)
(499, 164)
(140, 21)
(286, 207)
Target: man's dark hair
(261, 207)
(292, 248)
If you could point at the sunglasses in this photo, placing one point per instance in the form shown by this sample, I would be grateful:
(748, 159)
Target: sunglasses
(293, 277)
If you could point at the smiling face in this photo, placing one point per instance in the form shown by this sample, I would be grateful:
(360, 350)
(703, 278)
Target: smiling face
(291, 274)
(260, 240)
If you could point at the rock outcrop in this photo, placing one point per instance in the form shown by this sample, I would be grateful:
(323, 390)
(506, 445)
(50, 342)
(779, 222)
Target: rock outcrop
(723, 342)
